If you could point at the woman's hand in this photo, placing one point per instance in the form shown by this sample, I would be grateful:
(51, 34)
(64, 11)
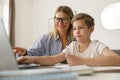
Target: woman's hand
(41, 60)
(20, 51)
(25, 60)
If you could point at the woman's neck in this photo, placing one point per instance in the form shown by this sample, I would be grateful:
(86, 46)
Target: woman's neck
(64, 40)
(63, 35)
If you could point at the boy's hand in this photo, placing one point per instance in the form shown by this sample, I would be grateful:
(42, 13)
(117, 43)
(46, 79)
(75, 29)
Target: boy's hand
(73, 59)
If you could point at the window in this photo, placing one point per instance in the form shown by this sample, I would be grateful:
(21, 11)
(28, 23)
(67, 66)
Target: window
(110, 16)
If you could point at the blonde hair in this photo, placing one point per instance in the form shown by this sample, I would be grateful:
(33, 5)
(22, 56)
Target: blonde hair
(68, 11)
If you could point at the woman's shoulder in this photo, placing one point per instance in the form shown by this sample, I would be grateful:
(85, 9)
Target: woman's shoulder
(45, 36)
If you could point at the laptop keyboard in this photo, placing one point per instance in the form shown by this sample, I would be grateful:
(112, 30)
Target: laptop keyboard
(28, 66)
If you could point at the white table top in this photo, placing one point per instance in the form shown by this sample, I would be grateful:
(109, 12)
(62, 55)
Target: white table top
(100, 73)
(100, 76)
(103, 73)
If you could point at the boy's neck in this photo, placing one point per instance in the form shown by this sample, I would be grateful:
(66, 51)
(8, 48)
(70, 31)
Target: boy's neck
(84, 45)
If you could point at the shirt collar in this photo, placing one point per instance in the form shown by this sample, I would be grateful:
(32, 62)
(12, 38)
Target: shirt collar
(58, 37)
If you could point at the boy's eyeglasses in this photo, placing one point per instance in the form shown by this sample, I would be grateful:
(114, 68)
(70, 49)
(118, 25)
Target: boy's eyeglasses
(63, 20)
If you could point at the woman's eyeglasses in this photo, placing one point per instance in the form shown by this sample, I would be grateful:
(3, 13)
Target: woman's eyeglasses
(63, 20)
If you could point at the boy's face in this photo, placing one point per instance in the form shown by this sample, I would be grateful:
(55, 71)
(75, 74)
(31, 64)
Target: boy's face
(81, 31)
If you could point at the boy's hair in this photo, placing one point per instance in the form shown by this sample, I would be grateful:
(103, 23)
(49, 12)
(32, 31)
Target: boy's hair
(87, 18)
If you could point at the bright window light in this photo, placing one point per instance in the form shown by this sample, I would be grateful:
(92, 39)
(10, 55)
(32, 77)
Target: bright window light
(110, 16)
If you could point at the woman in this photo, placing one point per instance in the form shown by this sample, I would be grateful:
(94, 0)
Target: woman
(54, 42)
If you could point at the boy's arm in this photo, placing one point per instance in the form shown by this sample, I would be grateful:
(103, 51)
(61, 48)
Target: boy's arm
(103, 61)
(109, 58)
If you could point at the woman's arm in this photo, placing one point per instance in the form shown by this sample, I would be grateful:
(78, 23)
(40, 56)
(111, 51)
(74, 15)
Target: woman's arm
(42, 60)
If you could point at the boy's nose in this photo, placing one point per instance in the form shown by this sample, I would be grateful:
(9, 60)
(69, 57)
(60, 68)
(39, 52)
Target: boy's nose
(77, 31)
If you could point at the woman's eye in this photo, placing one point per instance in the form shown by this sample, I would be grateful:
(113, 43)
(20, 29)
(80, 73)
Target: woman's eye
(74, 28)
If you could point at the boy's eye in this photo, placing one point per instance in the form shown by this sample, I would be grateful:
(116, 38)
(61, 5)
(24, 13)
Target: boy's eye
(80, 27)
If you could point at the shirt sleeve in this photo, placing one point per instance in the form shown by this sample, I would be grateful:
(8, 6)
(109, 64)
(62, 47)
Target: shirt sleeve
(100, 46)
(38, 48)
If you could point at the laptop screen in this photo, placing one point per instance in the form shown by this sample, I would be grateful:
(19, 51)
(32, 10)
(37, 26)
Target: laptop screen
(7, 58)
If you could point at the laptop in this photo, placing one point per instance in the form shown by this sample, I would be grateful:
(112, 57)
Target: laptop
(7, 57)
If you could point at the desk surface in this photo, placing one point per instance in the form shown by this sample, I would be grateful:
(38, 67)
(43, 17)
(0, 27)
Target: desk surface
(100, 76)
(103, 73)
(100, 73)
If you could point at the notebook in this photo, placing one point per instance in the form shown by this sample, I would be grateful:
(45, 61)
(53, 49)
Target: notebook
(7, 57)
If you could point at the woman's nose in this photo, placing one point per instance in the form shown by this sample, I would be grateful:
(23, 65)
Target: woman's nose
(60, 22)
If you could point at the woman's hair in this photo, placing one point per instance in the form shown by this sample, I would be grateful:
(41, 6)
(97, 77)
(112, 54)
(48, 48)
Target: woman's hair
(87, 18)
(68, 11)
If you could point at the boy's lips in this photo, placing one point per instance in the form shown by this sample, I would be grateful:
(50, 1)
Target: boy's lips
(78, 36)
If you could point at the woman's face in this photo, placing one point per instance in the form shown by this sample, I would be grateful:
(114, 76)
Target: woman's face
(62, 22)
(81, 31)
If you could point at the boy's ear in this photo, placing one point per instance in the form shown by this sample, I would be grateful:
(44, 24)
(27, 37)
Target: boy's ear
(91, 29)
